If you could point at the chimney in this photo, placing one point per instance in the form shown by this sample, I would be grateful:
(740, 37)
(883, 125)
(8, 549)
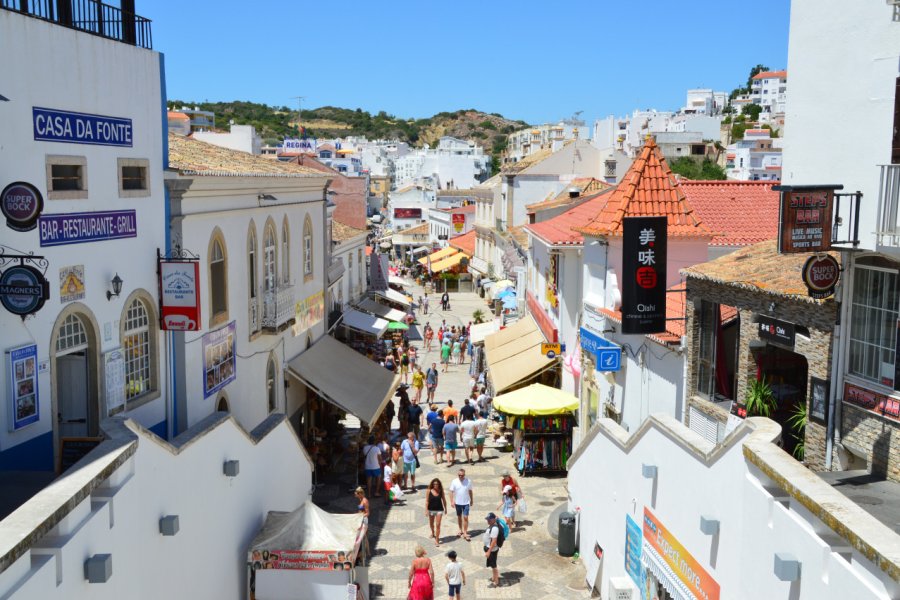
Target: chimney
(574, 192)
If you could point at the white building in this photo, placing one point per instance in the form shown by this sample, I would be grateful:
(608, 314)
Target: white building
(90, 143)
(627, 134)
(454, 164)
(409, 206)
(448, 223)
(757, 157)
(527, 141)
(769, 90)
(259, 229)
(705, 101)
(349, 249)
(240, 137)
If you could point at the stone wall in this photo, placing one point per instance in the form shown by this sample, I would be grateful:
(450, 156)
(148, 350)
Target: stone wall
(818, 317)
(876, 437)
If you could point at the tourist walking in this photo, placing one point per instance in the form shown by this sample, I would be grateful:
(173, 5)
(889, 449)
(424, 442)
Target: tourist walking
(410, 447)
(429, 336)
(445, 355)
(445, 301)
(509, 481)
(397, 461)
(450, 432)
(421, 577)
(425, 304)
(404, 367)
(467, 428)
(463, 499)
(455, 576)
(372, 465)
(436, 428)
(507, 506)
(435, 508)
(363, 506)
(467, 412)
(493, 539)
(456, 351)
(431, 382)
(418, 382)
(481, 428)
(414, 419)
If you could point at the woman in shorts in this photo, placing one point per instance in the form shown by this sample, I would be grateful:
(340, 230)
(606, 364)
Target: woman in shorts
(435, 508)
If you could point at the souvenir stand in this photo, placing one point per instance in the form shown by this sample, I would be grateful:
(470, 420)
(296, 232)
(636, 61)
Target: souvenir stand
(309, 554)
(541, 418)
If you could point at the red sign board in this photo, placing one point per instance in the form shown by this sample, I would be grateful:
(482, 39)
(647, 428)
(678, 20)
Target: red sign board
(805, 220)
(821, 274)
(459, 222)
(874, 401)
(407, 213)
(179, 295)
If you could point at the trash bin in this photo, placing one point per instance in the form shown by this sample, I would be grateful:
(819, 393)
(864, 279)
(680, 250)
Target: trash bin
(566, 543)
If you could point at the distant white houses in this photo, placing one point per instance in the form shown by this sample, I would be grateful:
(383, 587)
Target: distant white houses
(527, 141)
(240, 137)
(454, 164)
(757, 157)
(768, 89)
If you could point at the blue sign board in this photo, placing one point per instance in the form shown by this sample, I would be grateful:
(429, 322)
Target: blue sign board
(634, 540)
(608, 356)
(80, 128)
(79, 228)
(609, 359)
(219, 364)
(22, 371)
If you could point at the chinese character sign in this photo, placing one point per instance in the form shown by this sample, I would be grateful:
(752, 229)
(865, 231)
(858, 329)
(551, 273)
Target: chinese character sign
(644, 275)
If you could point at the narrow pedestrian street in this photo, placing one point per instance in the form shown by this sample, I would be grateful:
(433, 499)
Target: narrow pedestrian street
(529, 565)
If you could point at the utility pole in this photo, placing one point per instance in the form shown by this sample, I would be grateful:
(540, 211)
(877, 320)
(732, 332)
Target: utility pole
(299, 100)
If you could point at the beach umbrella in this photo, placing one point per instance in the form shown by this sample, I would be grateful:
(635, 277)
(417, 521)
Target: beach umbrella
(398, 325)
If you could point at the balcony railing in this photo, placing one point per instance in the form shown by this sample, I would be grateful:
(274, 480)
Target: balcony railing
(90, 16)
(888, 233)
(278, 307)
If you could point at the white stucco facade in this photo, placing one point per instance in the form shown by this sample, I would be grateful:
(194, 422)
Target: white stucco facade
(239, 137)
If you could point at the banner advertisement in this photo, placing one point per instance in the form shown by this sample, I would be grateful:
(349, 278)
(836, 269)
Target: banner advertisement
(644, 274)
(21, 366)
(804, 223)
(308, 312)
(408, 213)
(459, 222)
(879, 403)
(179, 295)
(219, 364)
(633, 543)
(686, 568)
(378, 272)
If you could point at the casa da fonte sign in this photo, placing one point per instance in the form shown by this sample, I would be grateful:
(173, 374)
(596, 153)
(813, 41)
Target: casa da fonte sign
(51, 125)
(644, 275)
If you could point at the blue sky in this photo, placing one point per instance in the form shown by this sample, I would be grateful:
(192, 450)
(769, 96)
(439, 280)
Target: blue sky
(539, 61)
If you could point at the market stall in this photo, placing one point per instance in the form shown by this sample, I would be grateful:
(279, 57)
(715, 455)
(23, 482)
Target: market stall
(514, 357)
(309, 554)
(541, 419)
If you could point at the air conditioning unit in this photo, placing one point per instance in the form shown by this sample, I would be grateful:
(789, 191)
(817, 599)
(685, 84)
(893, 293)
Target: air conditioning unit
(621, 588)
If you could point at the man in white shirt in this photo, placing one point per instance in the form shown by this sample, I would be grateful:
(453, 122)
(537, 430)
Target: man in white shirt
(481, 427)
(388, 482)
(468, 438)
(372, 465)
(463, 498)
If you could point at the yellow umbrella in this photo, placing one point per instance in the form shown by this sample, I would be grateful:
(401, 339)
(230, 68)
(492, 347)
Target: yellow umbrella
(503, 283)
(536, 399)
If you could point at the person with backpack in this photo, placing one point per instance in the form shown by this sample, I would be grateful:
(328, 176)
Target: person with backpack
(493, 540)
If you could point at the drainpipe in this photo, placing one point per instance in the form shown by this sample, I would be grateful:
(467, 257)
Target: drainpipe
(837, 360)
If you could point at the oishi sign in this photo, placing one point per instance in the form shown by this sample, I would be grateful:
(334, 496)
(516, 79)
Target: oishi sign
(179, 295)
(644, 275)
(821, 274)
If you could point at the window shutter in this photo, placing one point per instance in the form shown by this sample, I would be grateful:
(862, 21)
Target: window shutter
(705, 425)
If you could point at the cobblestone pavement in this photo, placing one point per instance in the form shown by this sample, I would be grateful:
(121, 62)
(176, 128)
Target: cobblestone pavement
(530, 567)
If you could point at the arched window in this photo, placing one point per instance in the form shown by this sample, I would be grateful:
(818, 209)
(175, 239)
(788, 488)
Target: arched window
(218, 279)
(222, 404)
(72, 336)
(251, 262)
(362, 269)
(285, 252)
(137, 344)
(307, 249)
(270, 276)
(271, 388)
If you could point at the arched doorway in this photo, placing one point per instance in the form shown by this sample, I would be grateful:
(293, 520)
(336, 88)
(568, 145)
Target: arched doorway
(74, 377)
(222, 404)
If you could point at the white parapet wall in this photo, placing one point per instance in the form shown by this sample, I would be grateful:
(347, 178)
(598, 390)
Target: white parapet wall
(757, 502)
(112, 501)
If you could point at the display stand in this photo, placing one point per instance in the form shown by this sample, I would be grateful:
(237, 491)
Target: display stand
(542, 444)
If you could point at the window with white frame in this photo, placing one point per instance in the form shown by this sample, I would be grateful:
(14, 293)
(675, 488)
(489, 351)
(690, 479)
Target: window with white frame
(285, 253)
(218, 287)
(136, 344)
(873, 324)
(307, 249)
(269, 269)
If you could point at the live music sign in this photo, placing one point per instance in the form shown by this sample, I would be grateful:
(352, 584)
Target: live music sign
(805, 218)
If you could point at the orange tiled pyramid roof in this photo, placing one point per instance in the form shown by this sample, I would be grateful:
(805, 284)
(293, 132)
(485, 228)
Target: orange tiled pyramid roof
(648, 189)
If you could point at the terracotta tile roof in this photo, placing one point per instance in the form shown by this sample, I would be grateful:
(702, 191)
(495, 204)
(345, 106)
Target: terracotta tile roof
(771, 75)
(758, 268)
(341, 232)
(519, 236)
(464, 242)
(559, 231)
(741, 212)
(193, 157)
(419, 229)
(525, 162)
(649, 188)
(174, 114)
(585, 186)
(489, 183)
(463, 210)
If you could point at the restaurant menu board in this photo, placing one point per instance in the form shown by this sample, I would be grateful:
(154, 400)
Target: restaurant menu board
(114, 370)
(805, 220)
(21, 364)
(219, 366)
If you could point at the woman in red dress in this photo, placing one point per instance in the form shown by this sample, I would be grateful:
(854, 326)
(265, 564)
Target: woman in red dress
(421, 577)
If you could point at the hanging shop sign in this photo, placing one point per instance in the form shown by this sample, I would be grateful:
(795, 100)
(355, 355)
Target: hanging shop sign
(21, 204)
(879, 403)
(299, 145)
(459, 222)
(308, 312)
(21, 369)
(774, 330)
(634, 540)
(80, 228)
(607, 355)
(179, 295)
(51, 125)
(551, 350)
(71, 283)
(686, 568)
(23, 290)
(644, 275)
(804, 222)
(821, 274)
(219, 364)
(407, 213)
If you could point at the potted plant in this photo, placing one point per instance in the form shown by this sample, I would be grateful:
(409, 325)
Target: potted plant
(478, 316)
(760, 400)
(797, 423)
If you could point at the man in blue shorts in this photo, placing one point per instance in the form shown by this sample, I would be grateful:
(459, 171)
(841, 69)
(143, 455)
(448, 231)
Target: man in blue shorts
(463, 498)
(436, 429)
(410, 448)
(451, 433)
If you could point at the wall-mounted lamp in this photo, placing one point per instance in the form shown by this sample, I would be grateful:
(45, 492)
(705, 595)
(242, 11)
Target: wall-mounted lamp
(648, 471)
(168, 525)
(116, 287)
(98, 568)
(709, 525)
(787, 567)
(231, 468)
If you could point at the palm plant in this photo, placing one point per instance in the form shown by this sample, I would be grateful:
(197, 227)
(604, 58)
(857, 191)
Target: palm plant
(797, 422)
(478, 316)
(760, 399)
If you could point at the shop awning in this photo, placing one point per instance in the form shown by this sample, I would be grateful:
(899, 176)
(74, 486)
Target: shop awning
(394, 296)
(447, 263)
(325, 367)
(482, 330)
(420, 250)
(394, 280)
(364, 322)
(385, 312)
(440, 254)
(535, 400)
(514, 354)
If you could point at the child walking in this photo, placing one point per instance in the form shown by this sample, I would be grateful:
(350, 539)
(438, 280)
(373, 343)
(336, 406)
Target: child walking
(455, 576)
(508, 504)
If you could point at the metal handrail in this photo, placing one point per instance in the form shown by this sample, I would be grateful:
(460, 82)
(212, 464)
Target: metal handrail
(89, 16)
